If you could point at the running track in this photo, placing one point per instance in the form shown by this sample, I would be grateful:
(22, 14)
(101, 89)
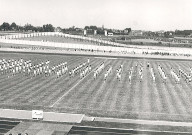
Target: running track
(80, 130)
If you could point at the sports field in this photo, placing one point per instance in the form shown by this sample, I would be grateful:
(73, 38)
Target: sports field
(125, 98)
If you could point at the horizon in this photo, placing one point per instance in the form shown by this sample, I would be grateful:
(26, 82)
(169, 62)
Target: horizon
(147, 15)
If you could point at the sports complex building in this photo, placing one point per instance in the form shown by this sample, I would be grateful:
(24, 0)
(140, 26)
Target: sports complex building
(60, 84)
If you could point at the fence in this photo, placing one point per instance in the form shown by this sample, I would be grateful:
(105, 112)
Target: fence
(47, 116)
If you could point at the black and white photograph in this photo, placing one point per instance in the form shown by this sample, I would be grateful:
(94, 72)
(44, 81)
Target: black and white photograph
(95, 67)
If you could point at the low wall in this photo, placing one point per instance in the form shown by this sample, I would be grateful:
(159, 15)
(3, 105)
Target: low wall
(47, 116)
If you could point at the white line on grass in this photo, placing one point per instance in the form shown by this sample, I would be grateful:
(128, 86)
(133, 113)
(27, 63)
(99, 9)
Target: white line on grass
(73, 87)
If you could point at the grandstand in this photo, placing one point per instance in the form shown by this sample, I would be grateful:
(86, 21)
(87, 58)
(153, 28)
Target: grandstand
(7, 125)
(143, 88)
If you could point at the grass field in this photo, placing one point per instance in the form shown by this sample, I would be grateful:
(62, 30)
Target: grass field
(139, 99)
(58, 39)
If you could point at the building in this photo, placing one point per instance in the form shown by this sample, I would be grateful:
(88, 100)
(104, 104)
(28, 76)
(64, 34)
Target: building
(110, 34)
(137, 33)
(58, 29)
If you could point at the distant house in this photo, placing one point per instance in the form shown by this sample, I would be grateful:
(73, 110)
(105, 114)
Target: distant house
(160, 33)
(29, 30)
(126, 31)
(79, 29)
(110, 34)
(118, 32)
(137, 33)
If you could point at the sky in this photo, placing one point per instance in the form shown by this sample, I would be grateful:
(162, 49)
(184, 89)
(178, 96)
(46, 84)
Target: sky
(151, 15)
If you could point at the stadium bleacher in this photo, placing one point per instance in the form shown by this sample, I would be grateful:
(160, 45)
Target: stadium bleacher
(6, 125)
(45, 128)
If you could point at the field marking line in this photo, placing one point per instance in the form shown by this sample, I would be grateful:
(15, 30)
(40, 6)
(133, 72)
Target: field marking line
(73, 87)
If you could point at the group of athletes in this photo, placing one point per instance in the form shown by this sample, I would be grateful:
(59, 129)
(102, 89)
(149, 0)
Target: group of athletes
(186, 76)
(175, 76)
(12, 67)
(60, 69)
(119, 72)
(152, 73)
(98, 70)
(82, 69)
(162, 73)
(85, 71)
(108, 72)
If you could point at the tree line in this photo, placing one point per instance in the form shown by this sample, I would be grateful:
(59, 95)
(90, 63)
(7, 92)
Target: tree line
(183, 32)
(50, 28)
(169, 34)
(27, 27)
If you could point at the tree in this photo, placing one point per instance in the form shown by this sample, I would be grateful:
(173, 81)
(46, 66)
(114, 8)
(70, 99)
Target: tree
(128, 29)
(48, 28)
(86, 27)
(100, 31)
(168, 34)
(13, 26)
(29, 27)
(5, 26)
(20, 28)
(93, 27)
(39, 29)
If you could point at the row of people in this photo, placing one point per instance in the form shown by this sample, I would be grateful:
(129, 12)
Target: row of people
(98, 70)
(162, 73)
(175, 76)
(141, 72)
(187, 76)
(152, 74)
(85, 71)
(37, 69)
(14, 66)
(60, 69)
(119, 72)
(130, 74)
(78, 69)
(109, 70)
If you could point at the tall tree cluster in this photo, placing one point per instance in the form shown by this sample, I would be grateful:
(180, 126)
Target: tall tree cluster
(27, 27)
